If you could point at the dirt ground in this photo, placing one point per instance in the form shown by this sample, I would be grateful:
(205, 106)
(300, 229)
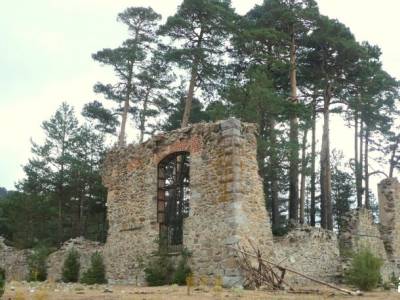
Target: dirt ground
(48, 291)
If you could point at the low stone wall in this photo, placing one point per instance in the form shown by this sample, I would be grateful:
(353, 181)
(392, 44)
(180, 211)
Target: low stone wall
(85, 249)
(311, 251)
(13, 261)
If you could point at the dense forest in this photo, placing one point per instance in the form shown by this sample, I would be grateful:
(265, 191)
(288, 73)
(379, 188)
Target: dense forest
(282, 65)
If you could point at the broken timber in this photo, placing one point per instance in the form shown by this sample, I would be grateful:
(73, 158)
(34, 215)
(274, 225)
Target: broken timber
(295, 272)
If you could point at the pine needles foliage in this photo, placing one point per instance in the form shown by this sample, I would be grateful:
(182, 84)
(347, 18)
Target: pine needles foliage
(70, 270)
(364, 271)
(96, 274)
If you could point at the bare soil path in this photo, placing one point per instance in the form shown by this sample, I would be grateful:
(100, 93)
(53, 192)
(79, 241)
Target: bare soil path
(50, 291)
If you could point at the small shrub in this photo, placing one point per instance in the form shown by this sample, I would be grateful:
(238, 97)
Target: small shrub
(70, 270)
(159, 268)
(2, 281)
(394, 279)
(183, 270)
(96, 274)
(364, 271)
(37, 264)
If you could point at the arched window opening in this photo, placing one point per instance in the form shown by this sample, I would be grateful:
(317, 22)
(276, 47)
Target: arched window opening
(173, 198)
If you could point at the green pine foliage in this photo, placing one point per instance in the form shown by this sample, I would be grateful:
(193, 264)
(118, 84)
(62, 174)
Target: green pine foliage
(365, 270)
(2, 281)
(96, 274)
(70, 270)
(37, 265)
(159, 268)
(183, 269)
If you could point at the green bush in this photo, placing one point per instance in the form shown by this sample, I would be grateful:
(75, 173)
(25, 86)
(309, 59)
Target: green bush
(37, 265)
(70, 269)
(159, 268)
(96, 274)
(182, 270)
(2, 281)
(364, 271)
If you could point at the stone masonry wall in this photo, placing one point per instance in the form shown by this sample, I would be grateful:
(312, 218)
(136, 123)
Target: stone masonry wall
(13, 261)
(310, 250)
(361, 232)
(85, 248)
(226, 204)
(389, 214)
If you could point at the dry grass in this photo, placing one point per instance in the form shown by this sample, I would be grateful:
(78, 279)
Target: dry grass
(50, 291)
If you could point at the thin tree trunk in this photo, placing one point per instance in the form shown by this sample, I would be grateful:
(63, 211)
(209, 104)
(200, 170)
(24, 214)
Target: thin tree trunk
(121, 138)
(356, 162)
(393, 156)
(303, 175)
(61, 190)
(192, 84)
(313, 155)
(293, 137)
(367, 205)
(326, 204)
(361, 159)
(142, 125)
(273, 174)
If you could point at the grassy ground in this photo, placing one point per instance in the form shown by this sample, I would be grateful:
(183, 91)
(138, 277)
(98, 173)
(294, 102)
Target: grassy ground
(47, 291)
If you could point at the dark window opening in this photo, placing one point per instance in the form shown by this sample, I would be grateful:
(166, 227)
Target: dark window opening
(173, 198)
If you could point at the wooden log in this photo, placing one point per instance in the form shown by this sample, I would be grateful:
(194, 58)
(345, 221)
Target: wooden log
(298, 273)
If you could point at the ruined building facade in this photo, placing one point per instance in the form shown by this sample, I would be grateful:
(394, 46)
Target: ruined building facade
(198, 188)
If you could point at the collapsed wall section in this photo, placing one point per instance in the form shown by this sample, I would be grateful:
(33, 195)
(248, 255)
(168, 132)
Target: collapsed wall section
(85, 249)
(14, 262)
(309, 250)
(361, 232)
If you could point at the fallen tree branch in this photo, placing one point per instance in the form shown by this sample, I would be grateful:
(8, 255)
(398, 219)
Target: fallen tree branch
(297, 273)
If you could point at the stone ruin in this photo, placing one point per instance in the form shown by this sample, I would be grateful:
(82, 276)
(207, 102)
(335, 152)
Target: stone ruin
(198, 187)
(207, 175)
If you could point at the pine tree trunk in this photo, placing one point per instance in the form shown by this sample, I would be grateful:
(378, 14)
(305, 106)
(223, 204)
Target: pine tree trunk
(393, 156)
(142, 125)
(366, 175)
(293, 139)
(313, 156)
(192, 84)
(303, 176)
(273, 174)
(121, 138)
(361, 159)
(326, 204)
(356, 162)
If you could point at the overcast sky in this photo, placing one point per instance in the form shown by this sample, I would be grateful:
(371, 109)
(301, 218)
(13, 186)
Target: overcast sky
(46, 47)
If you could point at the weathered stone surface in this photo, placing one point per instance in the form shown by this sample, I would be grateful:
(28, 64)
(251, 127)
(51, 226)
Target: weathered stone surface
(13, 261)
(361, 232)
(85, 248)
(226, 205)
(312, 251)
(389, 215)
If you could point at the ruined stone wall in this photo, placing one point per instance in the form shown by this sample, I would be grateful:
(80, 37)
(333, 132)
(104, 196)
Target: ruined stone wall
(85, 248)
(310, 250)
(226, 204)
(361, 232)
(13, 261)
(389, 214)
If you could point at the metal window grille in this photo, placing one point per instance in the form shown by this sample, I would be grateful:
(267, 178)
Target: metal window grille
(173, 198)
